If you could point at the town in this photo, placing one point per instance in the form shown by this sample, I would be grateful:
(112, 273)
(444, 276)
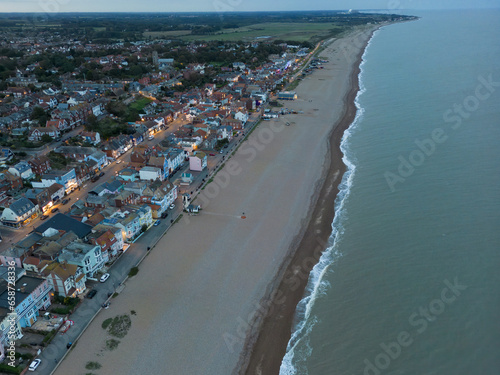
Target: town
(105, 143)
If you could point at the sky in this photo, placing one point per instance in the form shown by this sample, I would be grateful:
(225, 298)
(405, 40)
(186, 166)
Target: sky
(50, 6)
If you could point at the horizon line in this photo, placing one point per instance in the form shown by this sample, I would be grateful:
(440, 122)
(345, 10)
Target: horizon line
(243, 11)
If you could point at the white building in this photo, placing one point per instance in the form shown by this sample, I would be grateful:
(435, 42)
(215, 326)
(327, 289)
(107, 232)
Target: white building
(242, 116)
(150, 173)
(20, 212)
(23, 170)
(198, 161)
(84, 255)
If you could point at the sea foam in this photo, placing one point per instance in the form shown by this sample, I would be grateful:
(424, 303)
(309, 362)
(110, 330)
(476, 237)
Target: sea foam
(293, 362)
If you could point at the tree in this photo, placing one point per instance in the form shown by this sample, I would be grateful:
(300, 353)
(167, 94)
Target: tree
(92, 123)
(221, 143)
(46, 138)
(37, 113)
(135, 70)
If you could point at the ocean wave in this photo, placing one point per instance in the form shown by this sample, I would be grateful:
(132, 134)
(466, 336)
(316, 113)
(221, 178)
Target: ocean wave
(293, 362)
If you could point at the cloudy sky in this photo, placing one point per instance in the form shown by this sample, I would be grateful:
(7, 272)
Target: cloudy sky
(231, 5)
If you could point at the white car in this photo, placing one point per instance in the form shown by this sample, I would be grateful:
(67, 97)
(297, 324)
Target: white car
(104, 277)
(34, 364)
(172, 206)
(118, 161)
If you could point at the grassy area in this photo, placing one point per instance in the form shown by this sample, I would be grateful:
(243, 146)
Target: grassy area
(166, 34)
(106, 323)
(119, 326)
(93, 366)
(6, 369)
(112, 344)
(292, 85)
(139, 104)
(297, 31)
(133, 271)
(49, 337)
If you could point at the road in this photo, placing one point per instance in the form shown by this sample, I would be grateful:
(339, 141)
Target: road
(89, 308)
(11, 236)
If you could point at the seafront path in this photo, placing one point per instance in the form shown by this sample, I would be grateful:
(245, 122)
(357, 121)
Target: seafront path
(53, 356)
(57, 350)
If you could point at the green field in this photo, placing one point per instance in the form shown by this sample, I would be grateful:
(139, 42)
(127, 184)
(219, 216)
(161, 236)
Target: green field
(297, 31)
(139, 104)
(166, 34)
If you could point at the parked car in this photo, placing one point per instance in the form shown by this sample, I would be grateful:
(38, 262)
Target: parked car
(164, 215)
(104, 277)
(151, 137)
(172, 206)
(157, 222)
(66, 200)
(118, 161)
(55, 209)
(91, 294)
(211, 154)
(34, 364)
(101, 174)
(43, 217)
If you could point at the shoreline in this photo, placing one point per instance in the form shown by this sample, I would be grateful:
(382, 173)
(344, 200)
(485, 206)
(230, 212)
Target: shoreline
(201, 290)
(275, 330)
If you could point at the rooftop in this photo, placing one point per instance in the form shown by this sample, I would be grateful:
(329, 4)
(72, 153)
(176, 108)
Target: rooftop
(65, 223)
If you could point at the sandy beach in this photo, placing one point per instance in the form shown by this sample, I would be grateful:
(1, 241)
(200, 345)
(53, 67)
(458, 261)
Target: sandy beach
(266, 348)
(203, 297)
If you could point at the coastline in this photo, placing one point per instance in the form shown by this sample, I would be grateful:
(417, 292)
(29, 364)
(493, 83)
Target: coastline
(200, 291)
(274, 332)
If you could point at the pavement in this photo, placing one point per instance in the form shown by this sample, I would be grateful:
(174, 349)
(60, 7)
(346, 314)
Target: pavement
(11, 236)
(55, 352)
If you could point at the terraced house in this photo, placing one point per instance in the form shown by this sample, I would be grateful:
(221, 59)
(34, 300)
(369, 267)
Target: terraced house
(19, 213)
(32, 295)
(83, 255)
(68, 280)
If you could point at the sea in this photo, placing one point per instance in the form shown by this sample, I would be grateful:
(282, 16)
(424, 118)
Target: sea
(411, 281)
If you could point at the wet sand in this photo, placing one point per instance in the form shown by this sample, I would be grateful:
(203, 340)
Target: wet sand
(266, 348)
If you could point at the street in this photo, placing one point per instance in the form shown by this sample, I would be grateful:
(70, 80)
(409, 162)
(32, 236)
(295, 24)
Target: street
(88, 309)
